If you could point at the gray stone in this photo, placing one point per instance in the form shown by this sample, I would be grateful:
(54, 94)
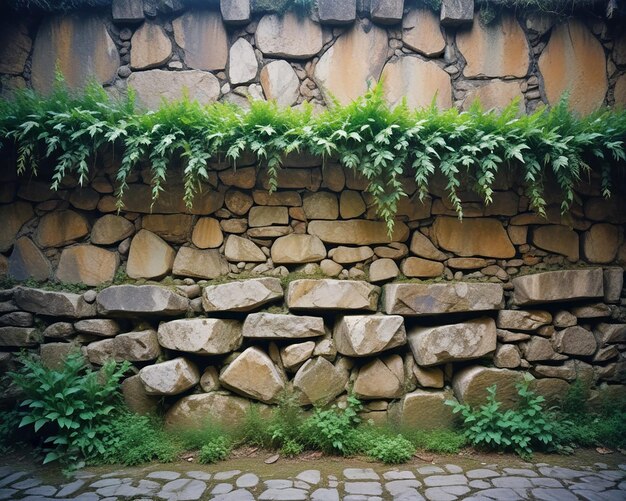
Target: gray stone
(520, 320)
(613, 284)
(288, 36)
(98, 327)
(554, 286)
(136, 398)
(482, 473)
(329, 294)
(364, 335)
(247, 480)
(280, 83)
(127, 11)
(242, 63)
(60, 330)
(196, 30)
(203, 336)
(333, 12)
(132, 300)
(326, 494)
(456, 12)
(169, 378)
(575, 341)
(445, 480)
(150, 46)
(17, 319)
(318, 381)
(164, 475)
(19, 336)
(28, 262)
(52, 303)
(365, 488)
(235, 11)
(386, 11)
(277, 326)
(182, 490)
(246, 295)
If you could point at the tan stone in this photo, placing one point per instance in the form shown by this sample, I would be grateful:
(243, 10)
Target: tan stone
(203, 336)
(254, 375)
(424, 410)
(427, 377)
(207, 233)
(241, 249)
(244, 177)
(150, 47)
(575, 341)
(169, 378)
(209, 381)
(286, 198)
(332, 295)
(294, 355)
(288, 35)
(280, 83)
(154, 86)
(558, 239)
(171, 227)
(422, 33)
(470, 385)
(611, 333)
(309, 179)
(59, 228)
(613, 284)
(357, 232)
(77, 45)
(334, 177)
(467, 263)
(554, 286)
(149, 256)
(421, 246)
(395, 250)
(270, 231)
(193, 411)
(12, 218)
(199, 263)
(136, 398)
(600, 243)
(521, 320)
(495, 94)
(414, 208)
(507, 356)
(237, 202)
(295, 248)
(111, 229)
(245, 295)
(364, 335)
(203, 38)
(511, 337)
(278, 326)
(570, 370)
(452, 343)
(573, 61)
(84, 198)
(564, 318)
(267, 216)
(418, 82)
(321, 205)
(538, 348)
(518, 234)
(318, 381)
(382, 270)
(552, 389)
(496, 50)
(242, 63)
(138, 346)
(473, 237)
(28, 262)
(597, 310)
(611, 210)
(330, 268)
(347, 255)
(87, 264)
(134, 300)
(432, 299)
(421, 268)
(351, 204)
(380, 378)
(352, 63)
(15, 44)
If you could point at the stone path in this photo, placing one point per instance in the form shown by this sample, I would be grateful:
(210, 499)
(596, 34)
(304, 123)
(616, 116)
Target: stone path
(432, 482)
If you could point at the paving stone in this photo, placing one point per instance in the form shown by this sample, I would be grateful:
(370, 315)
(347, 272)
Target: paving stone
(611, 474)
(199, 475)
(26, 484)
(278, 484)
(482, 473)
(360, 474)
(396, 487)
(325, 495)
(6, 470)
(559, 472)
(222, 488)
(310, 476)
(299, 484)
(164, 475)
(398, 475)
(439, 494)
(512, 482)
(429, 470)
(42, 490)
(365, 488)
(247, 480)
(591, 484)
(7, 493)
(288, 494)
(236, 495)
(479, 484)
(501, 493)
(520, 472)
(452, 468)
(13, 477)
(612, 495)
(444, 480)
(553, 495)
(226, 475)
(546, 482)
(106, 482)
(183, 490)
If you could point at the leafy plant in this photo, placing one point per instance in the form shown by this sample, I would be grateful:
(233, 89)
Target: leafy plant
(333, 429)
(440, 441)
(215, 450)
(522, 429)
(9, 424)
(392, 450)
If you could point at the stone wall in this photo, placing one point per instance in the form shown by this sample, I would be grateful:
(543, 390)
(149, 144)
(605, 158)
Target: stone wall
(250, 293)
(233, 50)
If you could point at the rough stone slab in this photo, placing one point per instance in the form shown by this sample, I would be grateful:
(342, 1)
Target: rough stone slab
(380, 378)
(554, 286)
(193, 410)
(319, 381)
(276, 326)
(195, 31)
(357, 232)
(131, 300)
(326, 294)
(203, 336)
(245, 295)
(280, 83)
(127, 11)
(52, 303)
(288, 36)
(169, 378)
(235, 11)
(424, 409)
(98, 327)
(520, 320)
(453, 343)
(150, 46)
(19, 336)
(334, 12)
(298, 248)
(196, 263)
(456, 12)
(364, 335)
(87, 264)
(470, 385)
(433, 299)
(575, 341)
(149, 256)
(27, 261)
(484, 237)
(59, 228)
(386, 11)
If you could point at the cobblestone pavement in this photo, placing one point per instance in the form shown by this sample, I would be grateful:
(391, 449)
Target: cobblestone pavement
(301, 481)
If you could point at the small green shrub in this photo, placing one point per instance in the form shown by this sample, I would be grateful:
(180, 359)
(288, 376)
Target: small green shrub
(333, 429)
(287, 423)
(291, 447)
(439, 441)
(255, 430)
(523, 429)
(196, 437)
(391, 449)
(575, 401)
(217, 449)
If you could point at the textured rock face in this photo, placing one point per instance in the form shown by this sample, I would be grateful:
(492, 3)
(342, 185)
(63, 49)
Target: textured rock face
(456, 12)
(559, 239)
(98, 327)
(130, 300)
(497, 50)
(59, 228)
(280, 83)
(575, 341)
(241, 249)
(507, 356)
(139, 346)
(194, 410)
(19, 336)
(332, 295)
(357, 232)
(288, 36)
(170, 227)
(453, 343)
(79, 46)
(424, 409)
(15, 45)
(242, 63)
(13, 217)
(136, 398)
(154, 85)
(423, 247)
(273, 326)
(554, 286)
(333, 12)
(294, 355)
(87, 264)
(383, 270)
(111, 229)
(601, 242)
(418, 82)
(364, 335)
(149, 257)
(421, 268)
(51, 303)
(246, 295)
(207, 233)
(298, 248)
(523, 320)
(496, 94)
(254, 375)
(574, 61)
(318, 381)
(203, 38)
(150, 47)
(27, 261)
(434, 299)
(353, 61)
(473, 237)
(470, 385)
(169, 378)
(421, 32)
(380, 378)
(203, 336)
(199, 263)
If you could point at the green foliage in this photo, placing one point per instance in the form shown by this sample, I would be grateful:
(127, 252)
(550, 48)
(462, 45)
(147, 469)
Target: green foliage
(332, 429)
(217, 449)
(440, 441)
(390, 449)
(384, 145)
(72, 408)
(491, 9)
(255, 429)
(287, 424)
(197, 436)
(9, 424)
(523, 429)
(575, 401)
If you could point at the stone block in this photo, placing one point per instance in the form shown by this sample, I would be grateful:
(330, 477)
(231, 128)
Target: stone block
(422, 33)
(277, 326)
(319, 382)
(326, 294)
(196, 263)
(613, 284)
(575, 341)
(380, 378)
(202, 336)
(470, 385)
(294, 355)
(87, 264)
(280, 83)
(133, 300)
(601, 243)
(289, 36)
(383, 270)
(298, 248)
(242, 63)
(136, 398)
(349, 255)
(110, 229)
(558, 239)
(365, 335)
(193, 411)
(523, 320)
(245, 295)
(53, 303)
(421, 268)
(102, 327)
(473, 237)
(425, 410)
(19, 337)
(555, 286)
(456, 12)
(149, 257)
(53, 355)
(150, 47)
(28, 262)
(336, 12)
(207, 233)
(169, 378)
(239, 249)
(386, 11)
(235, 11)
(13, 217)
(357, 232)
(170, 227)
(59, 228)
(127, 11)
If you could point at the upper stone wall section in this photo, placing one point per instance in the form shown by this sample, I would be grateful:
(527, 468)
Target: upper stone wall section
(234, 51)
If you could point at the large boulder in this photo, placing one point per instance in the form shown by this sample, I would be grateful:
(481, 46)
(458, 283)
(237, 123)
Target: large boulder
(133, 300)
(364, 335)
(277, 326)
(380, 378)
(13, 217)
(239, 249)
(203, 336)
(254, 375)
(53, 303)
(423, 409)
(59, 228)
(27, 261)
(110, 229)
(87, 264)
(245, 295)
(422, 33)
(197, 30)
(453, 343)
(575, 340)
(149, 256)
(150, 46)
(326, 294)
(433, 299)
(473, 237)
(555, 286)
(280, 83)
(523, 320)
(357, 232)
(297, 249)
(196, 263)
(559, 239)
(470, 385)
(318, 381)
(169, 378)
(289, 35)
(194, 411)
